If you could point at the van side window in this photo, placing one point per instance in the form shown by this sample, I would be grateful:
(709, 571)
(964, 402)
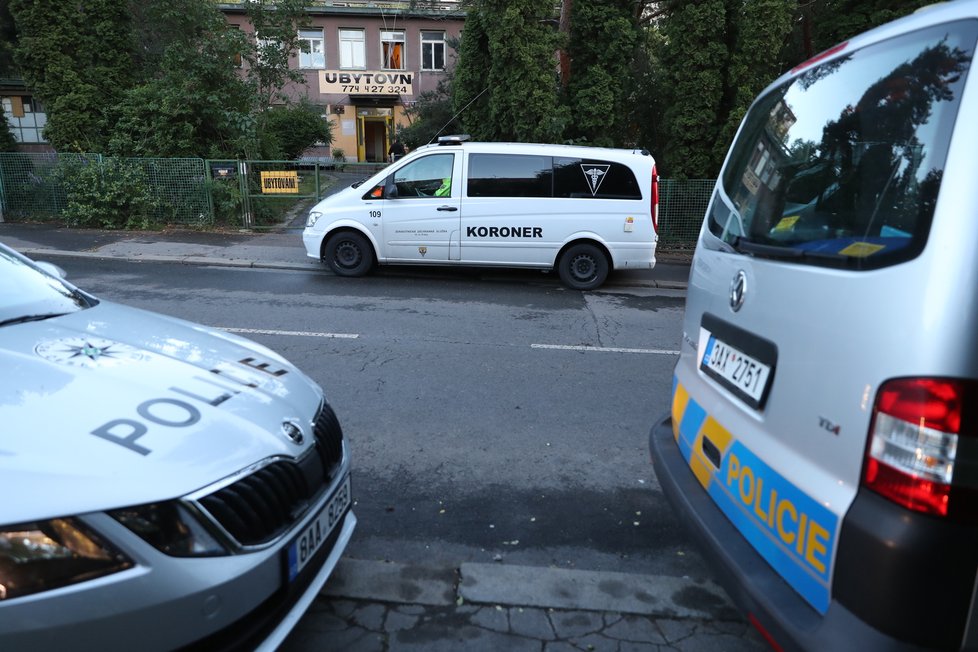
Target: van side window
(841, 166)
(591, 178)
(509, 175)
(430, 176)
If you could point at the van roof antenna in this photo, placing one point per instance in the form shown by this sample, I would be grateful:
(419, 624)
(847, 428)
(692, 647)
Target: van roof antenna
(452, 119)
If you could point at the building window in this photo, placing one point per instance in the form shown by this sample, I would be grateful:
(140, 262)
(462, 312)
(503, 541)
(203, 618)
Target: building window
(352, 49)
(392, 50)
(312, 51)
(432, 50)
(25, 118)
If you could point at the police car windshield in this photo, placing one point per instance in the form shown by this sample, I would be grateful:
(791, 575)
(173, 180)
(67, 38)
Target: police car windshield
(845, 161)
(28, 294)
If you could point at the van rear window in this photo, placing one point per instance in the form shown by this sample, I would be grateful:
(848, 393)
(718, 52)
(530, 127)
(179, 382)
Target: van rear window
(841, 166)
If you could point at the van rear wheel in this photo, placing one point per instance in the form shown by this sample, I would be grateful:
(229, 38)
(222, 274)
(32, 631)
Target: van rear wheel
(583, 267)
(348, 254)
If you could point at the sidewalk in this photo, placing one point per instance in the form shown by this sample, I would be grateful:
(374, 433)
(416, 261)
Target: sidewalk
(279, 249)
(381, 606)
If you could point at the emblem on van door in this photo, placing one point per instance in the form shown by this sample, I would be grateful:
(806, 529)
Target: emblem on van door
(422, 251)
(738, 288)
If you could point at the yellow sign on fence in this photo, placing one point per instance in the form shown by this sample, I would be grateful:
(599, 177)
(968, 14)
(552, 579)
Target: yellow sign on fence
(280, 183)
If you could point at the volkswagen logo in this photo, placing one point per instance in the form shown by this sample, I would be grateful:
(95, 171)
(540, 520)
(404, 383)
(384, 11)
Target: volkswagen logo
(292, 431)
(738, 288)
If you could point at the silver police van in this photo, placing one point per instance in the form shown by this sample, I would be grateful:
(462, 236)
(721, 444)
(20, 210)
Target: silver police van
(580, 210)
(823, 437)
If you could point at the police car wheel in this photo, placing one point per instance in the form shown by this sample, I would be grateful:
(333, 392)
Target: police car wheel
(583, 267)
(348, 254)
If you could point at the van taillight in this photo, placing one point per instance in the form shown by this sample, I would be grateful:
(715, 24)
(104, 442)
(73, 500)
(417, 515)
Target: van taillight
(914, 456)
(655, 199)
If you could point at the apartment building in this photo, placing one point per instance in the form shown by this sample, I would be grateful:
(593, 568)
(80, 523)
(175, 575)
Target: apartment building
(365, 62)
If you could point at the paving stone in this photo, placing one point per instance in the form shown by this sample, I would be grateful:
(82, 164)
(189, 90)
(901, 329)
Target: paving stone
(371, 616)
(396, 621)
(443, 637)
(534, 623)
(572, 624)
(595, 643)
(493, 618)
(636, 629)
(675, 630)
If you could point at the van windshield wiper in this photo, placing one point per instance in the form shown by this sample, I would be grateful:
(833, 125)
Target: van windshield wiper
(783, 252)
(766, 250)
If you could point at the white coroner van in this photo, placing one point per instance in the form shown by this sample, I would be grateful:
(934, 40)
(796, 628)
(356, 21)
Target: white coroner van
(581, 210)
(822, 443)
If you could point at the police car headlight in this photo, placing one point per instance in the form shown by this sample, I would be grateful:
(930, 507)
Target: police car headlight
(312, 219)
(46, 555)
(170, 528)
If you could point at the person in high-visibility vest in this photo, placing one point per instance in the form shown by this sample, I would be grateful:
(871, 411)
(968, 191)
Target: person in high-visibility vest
(446, 188)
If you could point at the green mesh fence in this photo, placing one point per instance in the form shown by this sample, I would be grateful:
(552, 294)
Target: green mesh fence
(85, 189)
(682, 206)
(95, 190)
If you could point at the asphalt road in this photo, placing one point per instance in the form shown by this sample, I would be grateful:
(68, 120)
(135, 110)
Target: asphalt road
(487, 420)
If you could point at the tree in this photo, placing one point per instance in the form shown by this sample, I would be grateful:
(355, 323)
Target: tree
(432, 115)
(155, 78)
(80, 85)
(694, 59)
(760, 29)
(190, 101)
(603, 49)
(469, 90)
(288, 131)
(510, 58)
(276, 37)
(7, 141)
(834, 21)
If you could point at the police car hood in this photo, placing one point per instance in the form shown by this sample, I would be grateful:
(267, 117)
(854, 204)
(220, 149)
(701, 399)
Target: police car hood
(113, 406)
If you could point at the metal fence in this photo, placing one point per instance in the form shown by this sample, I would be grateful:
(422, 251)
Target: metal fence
(243, 194)
(682, 205)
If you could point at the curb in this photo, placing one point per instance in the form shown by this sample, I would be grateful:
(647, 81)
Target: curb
(529, 586)
(244, 263)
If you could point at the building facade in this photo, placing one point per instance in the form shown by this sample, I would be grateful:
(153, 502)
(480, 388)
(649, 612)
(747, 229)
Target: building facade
(365, 63)
(25, 116)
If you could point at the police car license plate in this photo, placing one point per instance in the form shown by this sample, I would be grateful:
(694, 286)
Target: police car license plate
(733, 368)
(316, 533)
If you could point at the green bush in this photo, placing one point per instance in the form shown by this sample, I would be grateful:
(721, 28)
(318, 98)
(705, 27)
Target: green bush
(113, 194)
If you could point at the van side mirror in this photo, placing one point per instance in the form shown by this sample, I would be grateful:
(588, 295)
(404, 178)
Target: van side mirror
(390, 188)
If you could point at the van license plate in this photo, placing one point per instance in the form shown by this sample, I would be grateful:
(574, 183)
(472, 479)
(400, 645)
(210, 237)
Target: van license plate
(316, 533)
(733, 368)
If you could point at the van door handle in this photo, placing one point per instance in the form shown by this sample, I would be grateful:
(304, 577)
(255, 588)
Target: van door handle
(448, 208)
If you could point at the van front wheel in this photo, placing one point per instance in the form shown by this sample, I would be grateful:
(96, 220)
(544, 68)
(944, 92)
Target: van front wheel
(348, 254)
(583, 267)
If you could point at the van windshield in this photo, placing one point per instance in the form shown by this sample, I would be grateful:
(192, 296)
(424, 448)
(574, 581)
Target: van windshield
(841, 166)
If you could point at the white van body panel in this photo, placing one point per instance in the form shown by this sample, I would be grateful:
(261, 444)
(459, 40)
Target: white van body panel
(487, 230)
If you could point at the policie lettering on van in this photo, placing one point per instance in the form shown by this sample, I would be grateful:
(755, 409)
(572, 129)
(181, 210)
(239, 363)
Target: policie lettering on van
(581, 210)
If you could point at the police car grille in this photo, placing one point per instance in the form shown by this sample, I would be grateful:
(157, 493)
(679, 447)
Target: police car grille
(329, 440)
(263, 505)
